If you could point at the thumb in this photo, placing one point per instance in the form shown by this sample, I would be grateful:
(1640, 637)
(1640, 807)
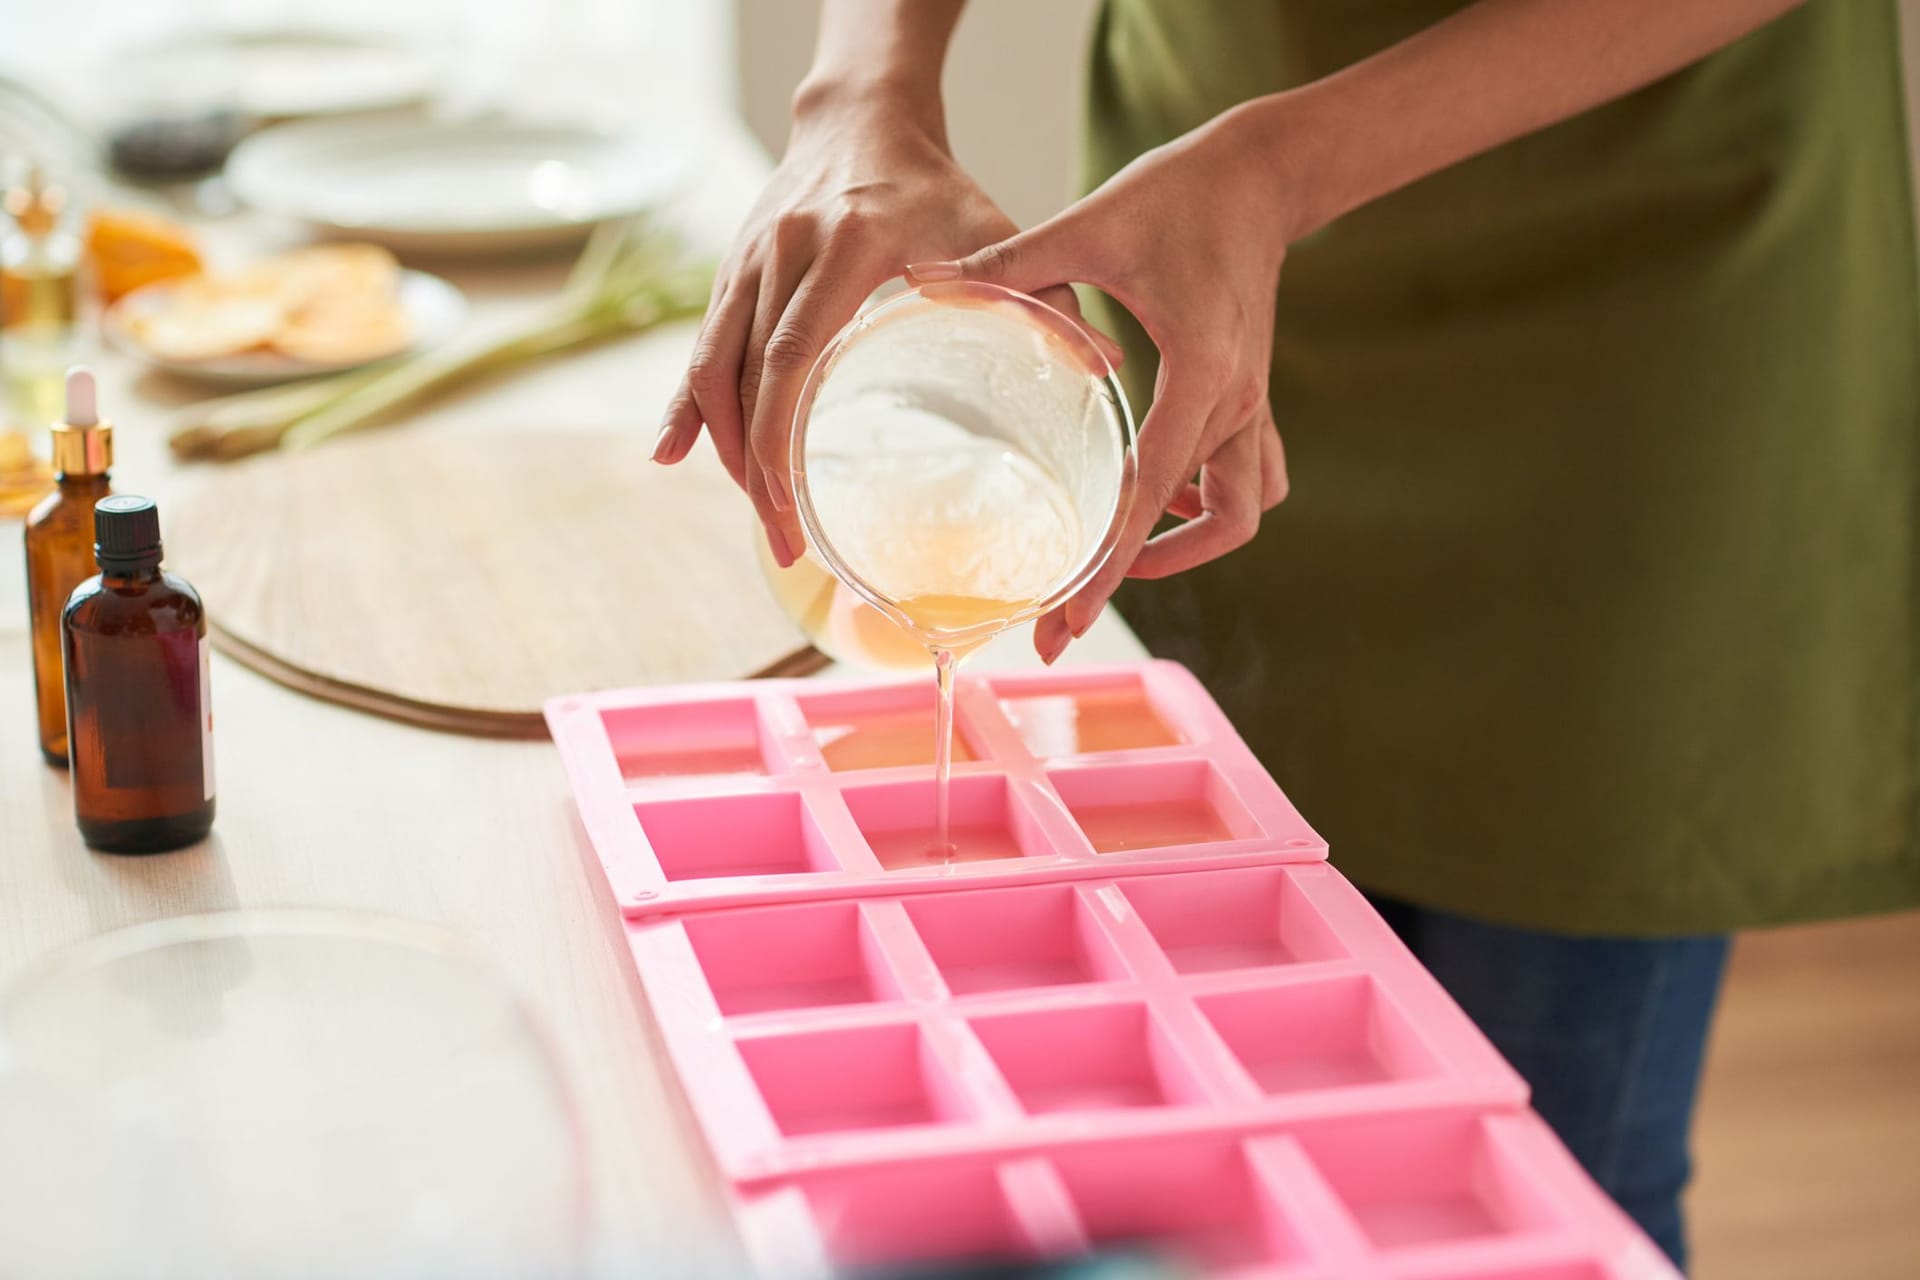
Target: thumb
(1039, 262)
(1030, 261)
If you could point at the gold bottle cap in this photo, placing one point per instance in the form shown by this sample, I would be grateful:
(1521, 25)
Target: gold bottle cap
(36, 204)
(83, 444)
(82, 450)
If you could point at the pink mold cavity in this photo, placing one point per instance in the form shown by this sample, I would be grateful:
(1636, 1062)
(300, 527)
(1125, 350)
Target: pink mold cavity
(801, 957)
(881, 728)
(687, 739)
(879, 1077)
(944, 1213)
(1318, 1035)
(1004, 939)
(988, 822)
(1197, 1204)
(758, 834)
(1111, 716)
(1153, 806)
(1207, 921)
(1089, 1058)
(1415, 1181)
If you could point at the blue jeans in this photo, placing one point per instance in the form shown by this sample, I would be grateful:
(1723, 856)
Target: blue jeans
(1610, 1033)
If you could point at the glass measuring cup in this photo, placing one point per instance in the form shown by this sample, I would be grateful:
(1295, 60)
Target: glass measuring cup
(962, 463)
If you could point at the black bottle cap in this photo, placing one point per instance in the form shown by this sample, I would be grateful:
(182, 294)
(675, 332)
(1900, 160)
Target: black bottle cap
(126, 530)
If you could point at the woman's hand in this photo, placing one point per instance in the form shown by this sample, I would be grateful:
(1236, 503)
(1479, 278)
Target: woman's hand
(867, 185)
(1189, 238)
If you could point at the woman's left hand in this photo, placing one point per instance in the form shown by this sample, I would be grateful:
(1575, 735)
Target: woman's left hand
(1189, 238)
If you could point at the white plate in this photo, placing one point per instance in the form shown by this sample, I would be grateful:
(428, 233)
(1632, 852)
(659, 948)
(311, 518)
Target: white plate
(421, 186)
(434, 307)
(274, 73)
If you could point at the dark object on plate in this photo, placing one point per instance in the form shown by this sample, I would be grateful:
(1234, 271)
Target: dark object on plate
(167, 148)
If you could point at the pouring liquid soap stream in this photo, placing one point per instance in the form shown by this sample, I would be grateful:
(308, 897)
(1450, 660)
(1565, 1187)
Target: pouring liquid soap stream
(961, 539)
(943, 847)
(996, 614)
(961, 463)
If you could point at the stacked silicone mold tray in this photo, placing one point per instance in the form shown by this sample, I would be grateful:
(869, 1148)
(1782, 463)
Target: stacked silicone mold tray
(1429, 1195)
(776, 789)
(1212, 1048)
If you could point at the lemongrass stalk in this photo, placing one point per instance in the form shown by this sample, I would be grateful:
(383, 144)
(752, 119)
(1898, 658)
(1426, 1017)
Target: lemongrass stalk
(198, 428)
(625, 279)
(420, 379)
(434, 372)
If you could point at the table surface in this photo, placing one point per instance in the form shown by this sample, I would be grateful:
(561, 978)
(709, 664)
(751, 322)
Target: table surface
(320, 806)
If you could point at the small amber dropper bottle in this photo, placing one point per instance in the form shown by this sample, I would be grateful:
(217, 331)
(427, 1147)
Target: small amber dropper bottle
(139, 710)
(59, 538)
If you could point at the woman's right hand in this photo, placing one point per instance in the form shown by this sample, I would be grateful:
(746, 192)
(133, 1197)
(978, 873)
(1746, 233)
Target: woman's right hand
(867, 185)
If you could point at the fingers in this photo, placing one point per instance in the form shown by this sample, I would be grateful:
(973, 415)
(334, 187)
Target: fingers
(1187, 503)
(1231, 487)
(711, 390)
(825, 300)
(680, 425)
(1164, 462)
(679, 428)
(1058, 252)
(1051, 635)
(791, 259)
(1245, 477)
(1273, 463)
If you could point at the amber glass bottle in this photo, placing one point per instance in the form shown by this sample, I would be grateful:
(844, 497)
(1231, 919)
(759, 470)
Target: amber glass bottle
(139, 710)
(59, 538)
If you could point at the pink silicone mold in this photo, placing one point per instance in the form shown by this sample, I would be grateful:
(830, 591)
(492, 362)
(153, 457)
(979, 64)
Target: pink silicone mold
(816, 1034)
(1436, 1194)
(777, 790)
(1139, 1012)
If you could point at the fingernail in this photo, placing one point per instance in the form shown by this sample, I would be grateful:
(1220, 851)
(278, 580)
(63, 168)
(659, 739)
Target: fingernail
(1080, 629)
(662, 441)
(932, 272)
(777, 543)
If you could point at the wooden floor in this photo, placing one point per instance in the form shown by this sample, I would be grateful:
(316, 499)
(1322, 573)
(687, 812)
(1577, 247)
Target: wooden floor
(1808, 1146)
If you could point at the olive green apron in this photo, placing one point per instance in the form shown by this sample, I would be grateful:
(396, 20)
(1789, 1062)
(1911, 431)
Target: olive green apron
(1594, 604)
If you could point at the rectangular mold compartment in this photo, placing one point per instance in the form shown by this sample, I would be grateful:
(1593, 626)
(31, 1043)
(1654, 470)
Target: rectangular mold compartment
(881, 728)
(988, 822)
(1434, 1178)
(688, 739)
(1124, 807)
(913, 1215)
(1329, 1034)
(1252, 918)
(1101, 1057)
(1112, 715)
(1195, 1201)
(750, 834)
(1472, 1268)
(798, 957)
(1006, 939)
(851, 1079)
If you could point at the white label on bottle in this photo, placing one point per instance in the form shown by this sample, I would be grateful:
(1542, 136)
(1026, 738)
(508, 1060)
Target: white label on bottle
(206, 717)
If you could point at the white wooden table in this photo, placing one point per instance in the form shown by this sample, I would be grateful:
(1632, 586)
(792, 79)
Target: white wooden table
(324, 807)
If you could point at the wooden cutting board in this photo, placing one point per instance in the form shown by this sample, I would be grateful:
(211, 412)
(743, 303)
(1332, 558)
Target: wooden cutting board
(456, 580)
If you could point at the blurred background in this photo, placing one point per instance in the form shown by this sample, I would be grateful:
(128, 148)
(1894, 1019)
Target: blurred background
(1811, 1113)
